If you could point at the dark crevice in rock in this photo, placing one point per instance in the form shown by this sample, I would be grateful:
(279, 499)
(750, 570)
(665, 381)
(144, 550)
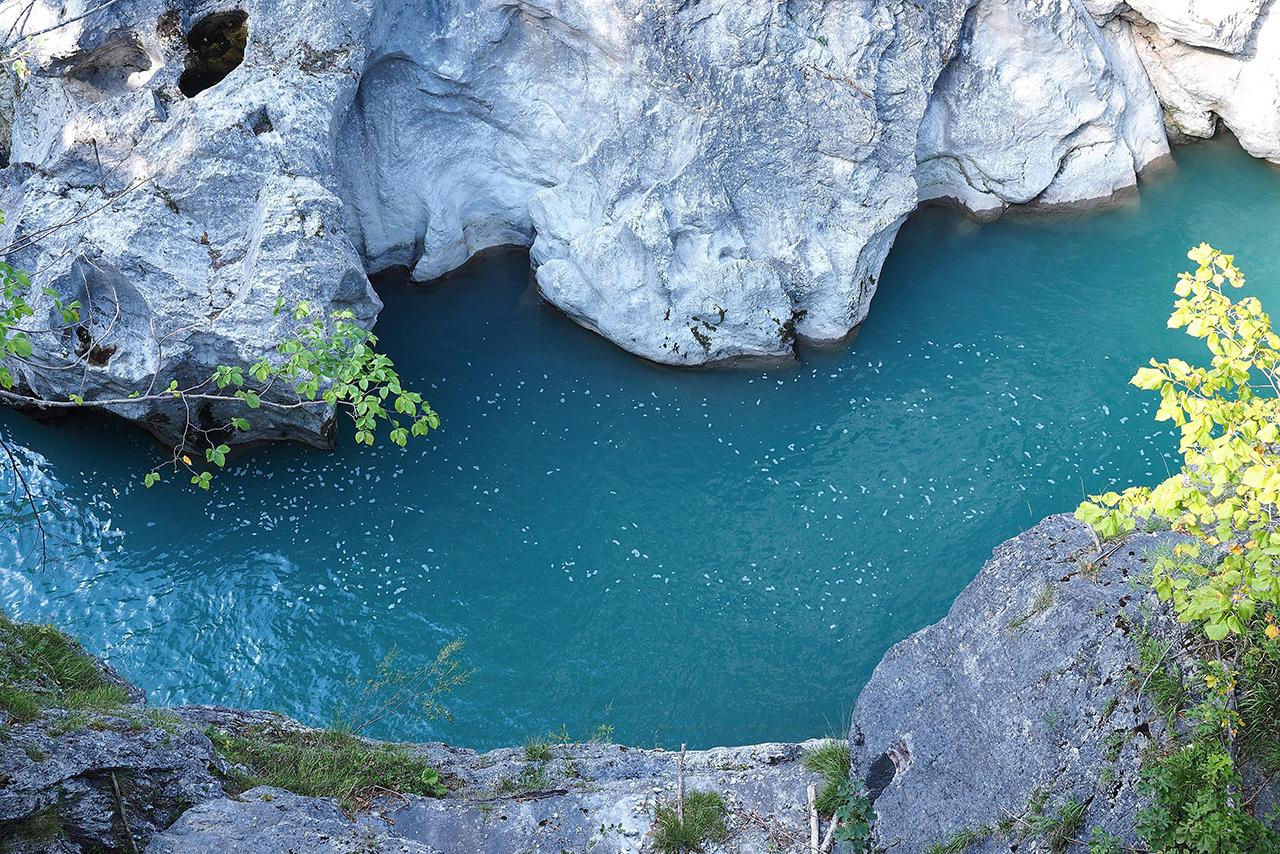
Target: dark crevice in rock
(97, 355)
(880, 775)
(216, 46)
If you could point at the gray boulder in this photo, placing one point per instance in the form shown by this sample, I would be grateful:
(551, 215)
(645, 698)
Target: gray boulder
(1022, 700)
(78, 783)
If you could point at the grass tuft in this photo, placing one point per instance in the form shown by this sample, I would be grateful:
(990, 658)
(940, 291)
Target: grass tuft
(1058, 830)
(537, 750)
(704, 822)
(1164, 686)
(834, 763)
(960, 841)
(327, 764)
(104, 698)
(40, 667)
(21, 706)
(532, 778)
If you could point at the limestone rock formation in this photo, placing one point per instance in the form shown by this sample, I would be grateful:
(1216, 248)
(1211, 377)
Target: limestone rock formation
(696, 182)
(1237, 83)
(1040, 106)
(178, 221)
(1022, 699)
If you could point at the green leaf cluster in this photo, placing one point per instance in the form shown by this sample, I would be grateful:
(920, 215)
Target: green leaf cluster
(1195, 793)
(1226, 495)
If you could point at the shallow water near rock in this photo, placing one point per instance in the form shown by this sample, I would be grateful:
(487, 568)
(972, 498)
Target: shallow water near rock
(707, 557)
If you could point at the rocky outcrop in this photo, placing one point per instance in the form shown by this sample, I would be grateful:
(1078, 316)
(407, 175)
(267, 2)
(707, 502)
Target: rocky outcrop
(178, 222)
(77, 782)
(698, 183)
(599, 798)
(1026, 691)
(1041, 106)
(1236, 83)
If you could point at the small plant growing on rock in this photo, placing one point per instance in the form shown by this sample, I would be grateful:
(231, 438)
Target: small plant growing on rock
(843, 799)
(703, 821)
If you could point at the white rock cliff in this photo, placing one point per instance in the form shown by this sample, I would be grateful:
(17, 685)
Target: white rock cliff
(697, 182)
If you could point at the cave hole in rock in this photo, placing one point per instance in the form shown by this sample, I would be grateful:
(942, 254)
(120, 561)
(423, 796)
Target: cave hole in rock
(215, 47)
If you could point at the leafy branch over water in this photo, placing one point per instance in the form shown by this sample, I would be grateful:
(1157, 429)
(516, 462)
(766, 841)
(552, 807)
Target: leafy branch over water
(1227, 495)
(328, 362)
(1221, 578)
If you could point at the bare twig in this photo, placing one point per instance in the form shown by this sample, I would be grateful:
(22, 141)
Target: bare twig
(813, 817)
(829, 840)
(31, 499)
(26, 36)
(680, 786)
(124, 816)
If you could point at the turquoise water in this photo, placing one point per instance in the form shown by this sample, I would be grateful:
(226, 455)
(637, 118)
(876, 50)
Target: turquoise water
(709, 557)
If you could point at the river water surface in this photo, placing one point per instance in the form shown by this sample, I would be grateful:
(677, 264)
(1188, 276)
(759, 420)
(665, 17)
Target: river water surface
(709, 557)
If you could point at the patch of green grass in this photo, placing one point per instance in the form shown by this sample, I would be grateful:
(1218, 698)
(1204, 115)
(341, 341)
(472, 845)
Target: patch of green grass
(1258, 702)
(960, 841)
(1059, 829)
(40, 667)
(833, 762)
(1163, 685)
(1108, 709)
(537, 750)
(74, 722)
(327, 763)
(1114, 744)
(704, 822)
(21, 706)
(1106, 777)
(42, 656)
(42, 828)
(104, 698)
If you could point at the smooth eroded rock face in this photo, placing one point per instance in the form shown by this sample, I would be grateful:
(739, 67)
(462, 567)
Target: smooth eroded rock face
(698, 182)
(1041, 106)
(1238, 84)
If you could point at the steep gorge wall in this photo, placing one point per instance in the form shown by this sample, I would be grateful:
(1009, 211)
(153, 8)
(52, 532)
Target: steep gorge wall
(697, 181)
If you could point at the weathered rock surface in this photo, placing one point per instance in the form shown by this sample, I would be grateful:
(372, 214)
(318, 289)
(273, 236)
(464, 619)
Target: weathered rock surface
(1040, 105)
(1237, 85)
(91, 782)
(697, 183)
(1024, 697)
(599, 798)
(178, 222)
